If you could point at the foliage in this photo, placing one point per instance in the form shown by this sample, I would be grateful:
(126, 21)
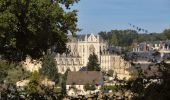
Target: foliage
(144, 88)
(63, 83)
(166, 33)
(4, 66)
(89, 87)
(128, 38)
(49, 68)
(110, 87)
(30, 27)
(17, 74)
(110, 73)
(160, 90)
(34, 84)
(11, 72)
(93, 65)
(9, 92)
(119, 37)
(35, 90)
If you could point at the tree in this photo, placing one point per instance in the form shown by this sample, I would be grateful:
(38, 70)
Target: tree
(49, 68)
(93, 64)
(110, 73)
(33, 88)
(167, 33)
(30, 27)
(11, 72)
(159, 91)
(4, 70)
(89, 87)
(16, 74)
(63, 84)
(9, 92)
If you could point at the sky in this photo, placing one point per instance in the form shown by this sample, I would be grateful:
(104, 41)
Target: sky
(105, 15)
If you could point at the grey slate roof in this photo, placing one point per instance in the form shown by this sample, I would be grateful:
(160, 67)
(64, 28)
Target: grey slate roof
(146, 56)
(82, 37)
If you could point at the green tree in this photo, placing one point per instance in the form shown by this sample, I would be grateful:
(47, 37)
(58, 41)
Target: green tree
(93, 64)
(12, 72)
(159, 91)
(167, 33)
(33, 88)
(63, 84)
(16, 74)
(89, 87)
(110, 73)
(4, 66)
(30, 27)
(49, 68)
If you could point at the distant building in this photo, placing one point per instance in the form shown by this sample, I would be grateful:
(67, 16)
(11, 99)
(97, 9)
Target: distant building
(147, 61)
(76, 82)
(150, 46)
(80, 48)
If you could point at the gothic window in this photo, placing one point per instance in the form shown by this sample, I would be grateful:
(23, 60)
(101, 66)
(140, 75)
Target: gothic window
(83, 48)
(78, 61)
(104, 48)
(79, 49)
(72, 61)
(75, 50)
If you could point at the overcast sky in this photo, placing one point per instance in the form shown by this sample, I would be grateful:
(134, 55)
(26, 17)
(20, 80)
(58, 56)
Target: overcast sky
(104, 15)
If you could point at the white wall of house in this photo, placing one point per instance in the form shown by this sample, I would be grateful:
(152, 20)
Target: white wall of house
(79, 90)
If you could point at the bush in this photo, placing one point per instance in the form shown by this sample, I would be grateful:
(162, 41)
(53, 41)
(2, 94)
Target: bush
(89, 87)
(110, 73)
(111, 87)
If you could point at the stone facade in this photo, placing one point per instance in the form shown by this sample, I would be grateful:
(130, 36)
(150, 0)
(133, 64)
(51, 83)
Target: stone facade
(81, 47)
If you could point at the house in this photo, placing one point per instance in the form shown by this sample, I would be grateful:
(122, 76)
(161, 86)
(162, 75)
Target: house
(83, 83)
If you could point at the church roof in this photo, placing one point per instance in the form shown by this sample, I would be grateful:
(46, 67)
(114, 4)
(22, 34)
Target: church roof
(82, 37)
(85, 77)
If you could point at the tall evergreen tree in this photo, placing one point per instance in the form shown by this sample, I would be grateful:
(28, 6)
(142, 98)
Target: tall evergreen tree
(63, 84)
(93, 64)
(49, 68)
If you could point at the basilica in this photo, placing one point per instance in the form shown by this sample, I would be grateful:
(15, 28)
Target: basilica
(81, 47)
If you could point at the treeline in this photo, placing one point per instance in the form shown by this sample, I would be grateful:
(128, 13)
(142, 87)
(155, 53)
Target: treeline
(126, 38)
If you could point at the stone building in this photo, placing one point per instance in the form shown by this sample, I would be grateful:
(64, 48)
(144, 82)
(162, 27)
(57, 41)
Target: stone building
(77, 81)
(150, 46)
(82, 46)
